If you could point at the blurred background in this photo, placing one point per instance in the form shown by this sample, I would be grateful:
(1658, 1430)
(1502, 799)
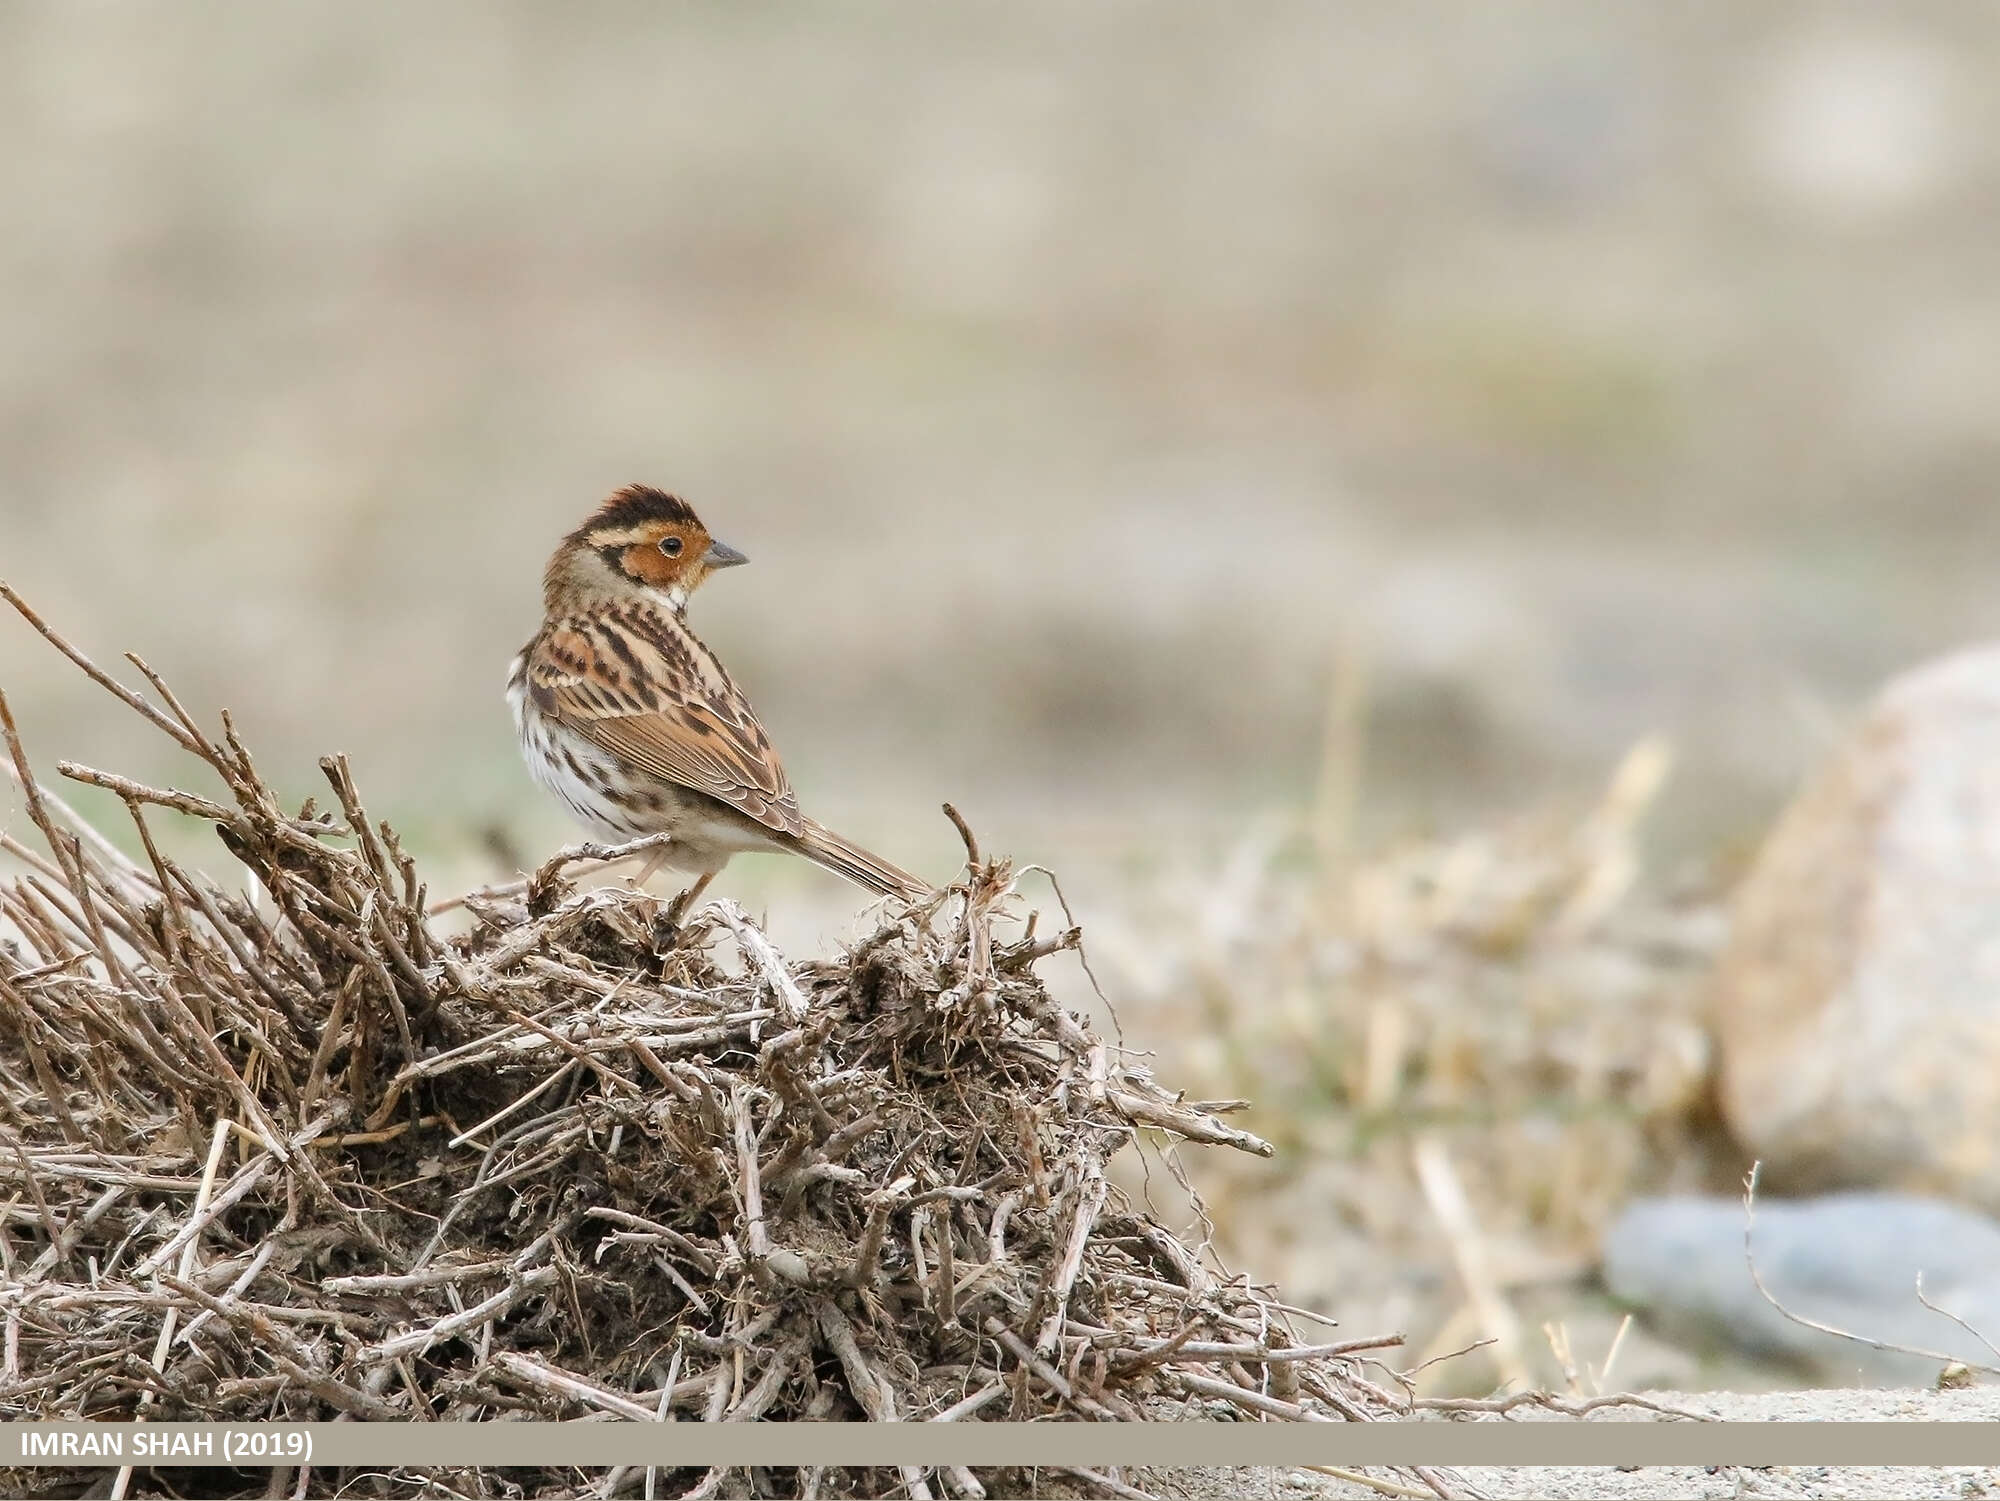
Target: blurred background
(1234, 454)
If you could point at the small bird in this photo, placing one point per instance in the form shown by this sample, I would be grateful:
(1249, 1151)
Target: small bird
(634, 725)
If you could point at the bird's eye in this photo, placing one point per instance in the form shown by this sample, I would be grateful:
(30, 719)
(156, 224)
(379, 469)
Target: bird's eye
(671, 546)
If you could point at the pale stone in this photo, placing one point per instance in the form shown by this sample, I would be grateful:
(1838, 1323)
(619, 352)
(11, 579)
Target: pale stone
(1857, 1006)
(1849, 1261)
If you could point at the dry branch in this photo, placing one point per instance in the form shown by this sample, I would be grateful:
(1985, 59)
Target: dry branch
(553, 1165)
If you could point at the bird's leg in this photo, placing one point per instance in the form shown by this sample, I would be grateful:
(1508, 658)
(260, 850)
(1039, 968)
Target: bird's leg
(654, 860)
(686, 900)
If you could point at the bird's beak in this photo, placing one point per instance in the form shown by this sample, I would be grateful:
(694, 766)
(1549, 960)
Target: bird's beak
(722, 555)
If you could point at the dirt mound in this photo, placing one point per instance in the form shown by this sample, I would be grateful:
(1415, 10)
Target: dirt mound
(300, 1154)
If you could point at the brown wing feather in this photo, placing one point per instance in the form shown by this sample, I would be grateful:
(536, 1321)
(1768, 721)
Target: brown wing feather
(645, 690)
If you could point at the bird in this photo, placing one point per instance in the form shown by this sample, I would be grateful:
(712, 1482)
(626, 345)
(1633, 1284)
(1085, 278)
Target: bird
(628, 718)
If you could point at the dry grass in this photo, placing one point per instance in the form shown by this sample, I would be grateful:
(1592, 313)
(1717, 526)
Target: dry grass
(296, 1155)
(1470, 1050)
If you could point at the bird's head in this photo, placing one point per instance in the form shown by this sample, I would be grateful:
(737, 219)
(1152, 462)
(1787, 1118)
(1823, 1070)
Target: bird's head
(639, 540)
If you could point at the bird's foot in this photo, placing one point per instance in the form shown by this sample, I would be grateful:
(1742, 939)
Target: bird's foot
(684, 903)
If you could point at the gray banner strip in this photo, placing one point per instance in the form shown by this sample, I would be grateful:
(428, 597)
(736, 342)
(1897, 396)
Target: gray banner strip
(1092, 1444)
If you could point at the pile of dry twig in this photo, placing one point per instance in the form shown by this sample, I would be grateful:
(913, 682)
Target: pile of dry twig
(295, 1154)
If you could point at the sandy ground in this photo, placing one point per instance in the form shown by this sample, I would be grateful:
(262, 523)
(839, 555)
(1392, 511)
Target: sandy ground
(1579, 1483)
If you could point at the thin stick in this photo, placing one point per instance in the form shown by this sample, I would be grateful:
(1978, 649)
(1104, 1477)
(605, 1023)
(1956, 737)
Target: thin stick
(1602, 1378)
(206, 1212)
(1262, 1355)
(1553, 1403)
(622, 1083)
(1184, 1122)
(549, 1378)
(978, 1402)
(164, 797)
(1947, 1313)
(1228, 1391)
(876, 1396)
(1750, 1224)
(861, 1271)
(577, 854)
(862, 1381)
(1446, 1195)
(235, 1290)
(257, 1321)
(753, 1196)
(192, 1245)
(1106, 1484)
(1089, 1204)
(701, 1260)
(777, 1371)
(972, 860)
(757, 949)
(1047, 1375)
(97, 675)
(115, 859)
(1369, 1482)
(400, 1282)
(50, 1228)
(664, 1413)
(419, 1340)
(506, 1110)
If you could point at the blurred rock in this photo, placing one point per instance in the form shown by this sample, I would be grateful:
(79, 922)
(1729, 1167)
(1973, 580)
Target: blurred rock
(1857, 1005)
(1857, 124)
(1568, 132)
(1849, 1260)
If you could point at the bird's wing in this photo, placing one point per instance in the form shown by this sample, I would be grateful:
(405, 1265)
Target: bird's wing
(641, 687)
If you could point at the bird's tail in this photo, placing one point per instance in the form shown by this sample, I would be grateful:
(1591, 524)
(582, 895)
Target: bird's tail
(825, 848)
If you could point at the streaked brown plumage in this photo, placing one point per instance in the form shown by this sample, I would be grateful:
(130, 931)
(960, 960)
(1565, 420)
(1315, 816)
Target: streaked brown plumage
(634, 725)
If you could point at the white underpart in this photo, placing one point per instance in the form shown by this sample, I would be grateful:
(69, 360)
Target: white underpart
(702, 841)
(543, 744)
